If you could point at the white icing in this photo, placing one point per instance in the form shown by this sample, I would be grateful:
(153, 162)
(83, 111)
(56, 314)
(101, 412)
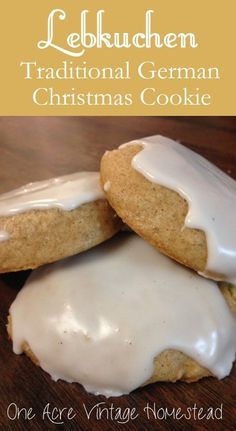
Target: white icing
(107, 186)
(4, 236)
(100, 318)
(67, 193)
(210, 193)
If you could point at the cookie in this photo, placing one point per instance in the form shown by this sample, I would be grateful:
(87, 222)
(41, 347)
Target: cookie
(49, 220)
(139, 328)
(176, 200)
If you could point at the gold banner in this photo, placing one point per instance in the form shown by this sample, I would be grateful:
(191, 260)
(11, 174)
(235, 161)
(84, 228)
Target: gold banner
(118, 58)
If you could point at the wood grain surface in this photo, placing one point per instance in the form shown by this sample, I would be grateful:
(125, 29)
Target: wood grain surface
(38, 148)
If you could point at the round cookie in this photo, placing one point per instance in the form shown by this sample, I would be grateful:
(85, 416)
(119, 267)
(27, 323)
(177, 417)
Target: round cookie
(158, 213)
(49, 220)
(104, 344)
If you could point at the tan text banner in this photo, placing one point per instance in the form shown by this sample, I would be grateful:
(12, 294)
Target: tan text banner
(68, 57)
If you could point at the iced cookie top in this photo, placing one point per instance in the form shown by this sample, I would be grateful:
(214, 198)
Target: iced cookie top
(210, 193)
(101, 318)
(66, 193)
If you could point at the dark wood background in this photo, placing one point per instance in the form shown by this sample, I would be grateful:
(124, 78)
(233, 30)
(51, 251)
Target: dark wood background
(38, 148)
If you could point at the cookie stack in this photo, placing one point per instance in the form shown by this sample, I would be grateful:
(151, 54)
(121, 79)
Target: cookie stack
(143, 306)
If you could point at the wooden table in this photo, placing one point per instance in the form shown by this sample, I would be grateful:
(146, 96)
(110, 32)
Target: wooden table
(38, 148)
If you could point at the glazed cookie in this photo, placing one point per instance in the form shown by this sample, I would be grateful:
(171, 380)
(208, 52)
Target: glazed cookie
(154, 324)
(49, 220)
(177, 200)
